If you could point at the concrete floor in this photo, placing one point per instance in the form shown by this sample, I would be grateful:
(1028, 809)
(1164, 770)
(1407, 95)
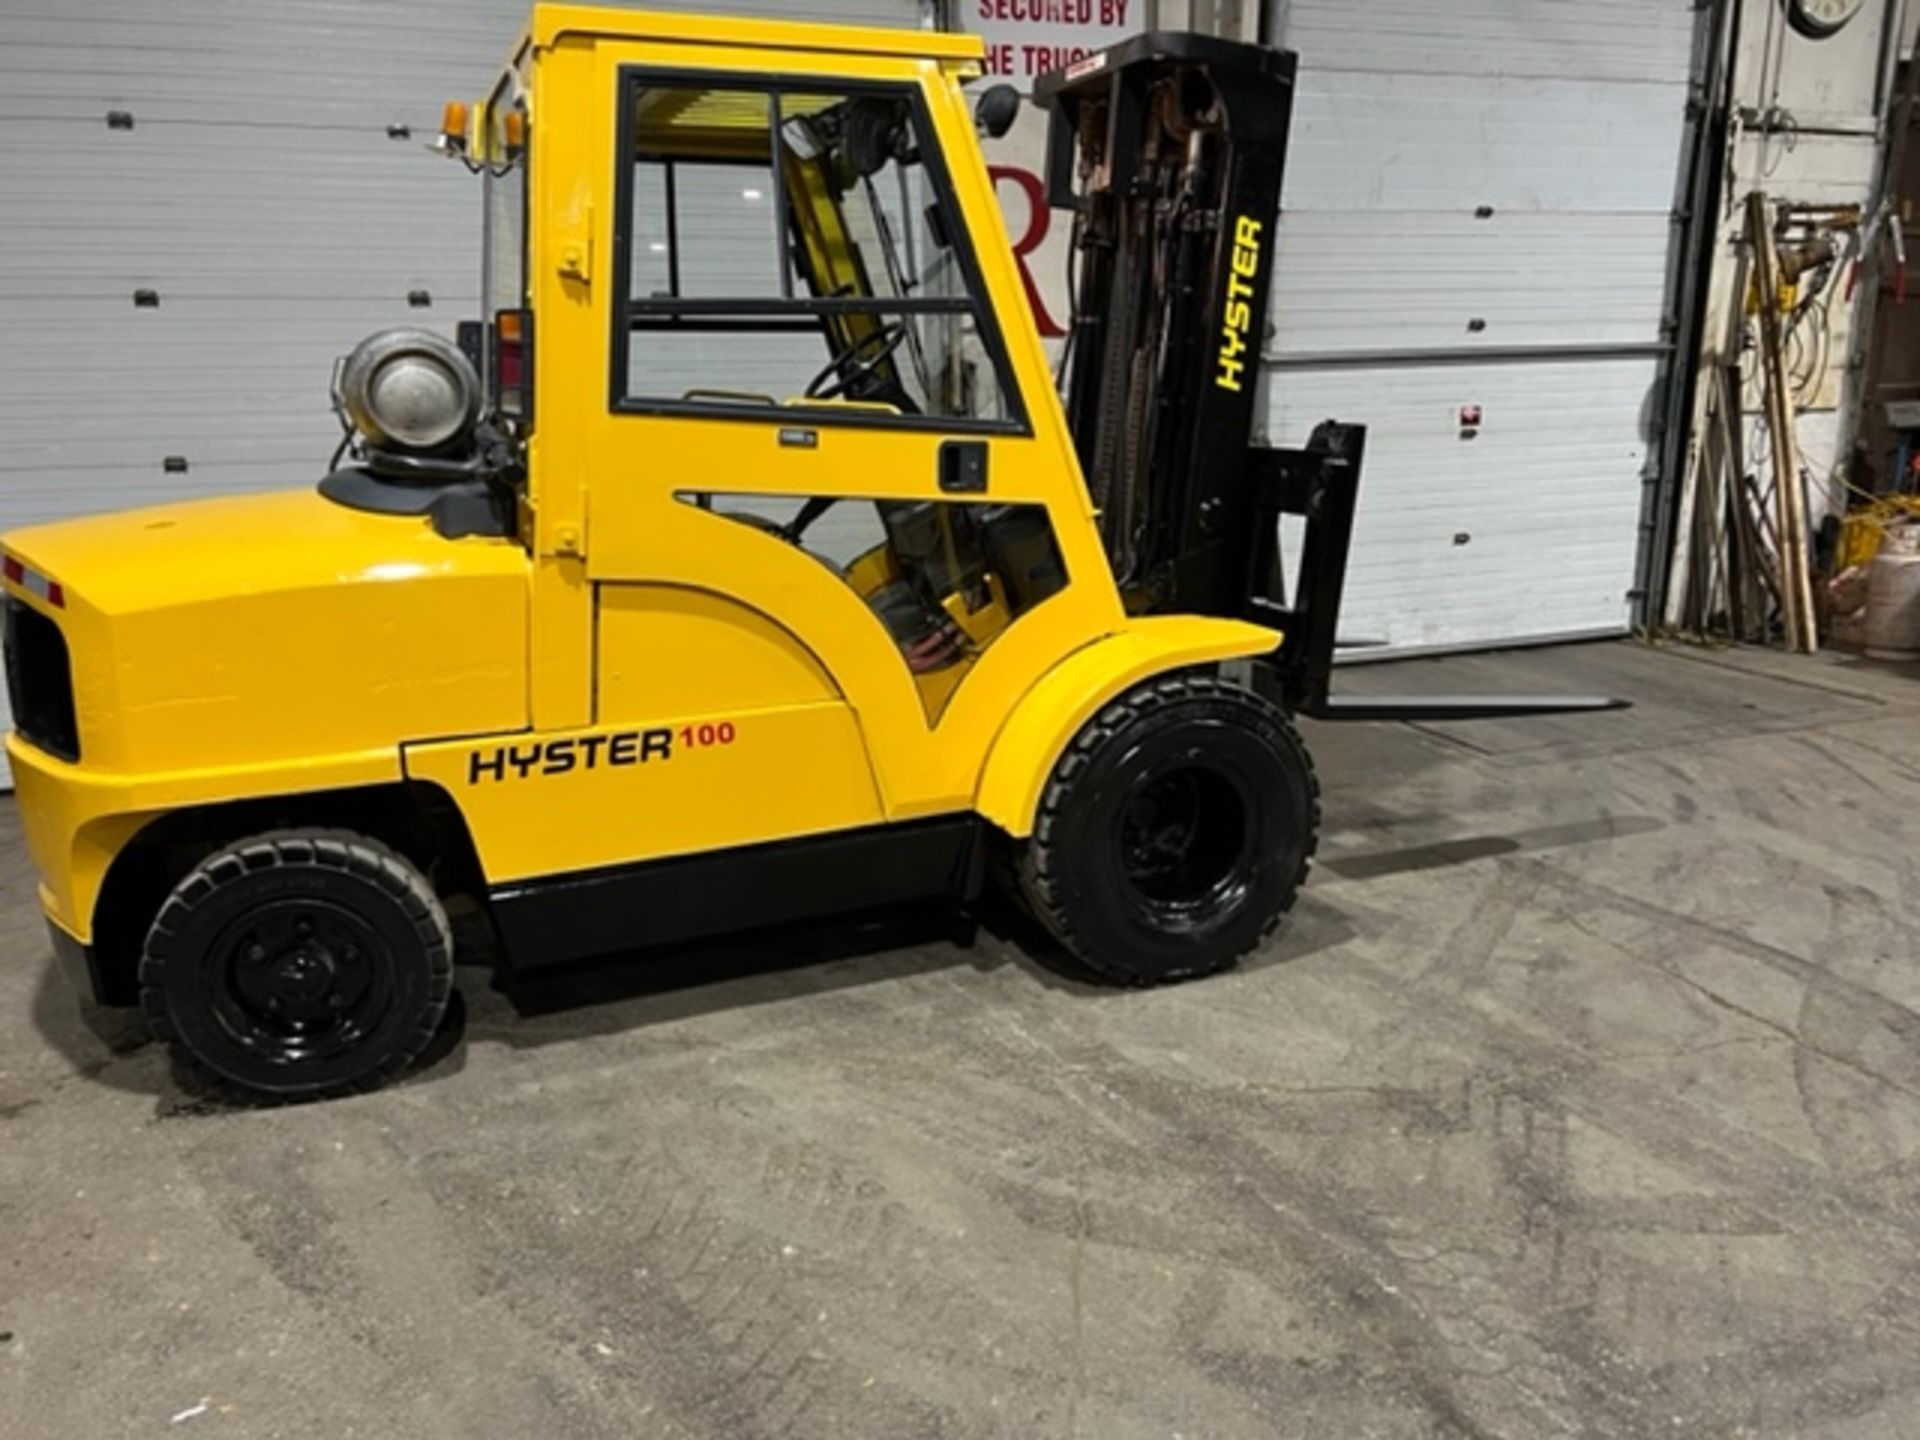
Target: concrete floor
(1582, 1097)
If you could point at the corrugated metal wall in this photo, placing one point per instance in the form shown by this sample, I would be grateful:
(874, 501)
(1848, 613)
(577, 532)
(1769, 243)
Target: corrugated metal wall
(1471, 184)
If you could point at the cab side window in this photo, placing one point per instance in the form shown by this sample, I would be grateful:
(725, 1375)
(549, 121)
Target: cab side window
(796, 249)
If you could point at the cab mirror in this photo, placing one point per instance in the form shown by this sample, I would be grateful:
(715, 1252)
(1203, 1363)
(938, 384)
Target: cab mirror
(994, 111)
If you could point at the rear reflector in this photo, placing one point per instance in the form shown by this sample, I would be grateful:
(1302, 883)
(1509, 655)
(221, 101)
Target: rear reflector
(33, 582)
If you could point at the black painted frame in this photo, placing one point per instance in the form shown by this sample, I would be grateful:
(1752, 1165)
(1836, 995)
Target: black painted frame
(793, 313)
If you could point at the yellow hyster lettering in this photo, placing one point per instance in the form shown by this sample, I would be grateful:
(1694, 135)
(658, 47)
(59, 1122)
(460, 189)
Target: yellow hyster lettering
(1237, 323)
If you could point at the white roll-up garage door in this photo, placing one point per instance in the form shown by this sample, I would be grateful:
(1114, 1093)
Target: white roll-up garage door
(177, 279)
(1474, 257)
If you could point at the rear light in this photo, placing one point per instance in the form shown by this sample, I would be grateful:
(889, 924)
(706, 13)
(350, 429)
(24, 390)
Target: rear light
(511, 355)
(513, 364)
(33, 582)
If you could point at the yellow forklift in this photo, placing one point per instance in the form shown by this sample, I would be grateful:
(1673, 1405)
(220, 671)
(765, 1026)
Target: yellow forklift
(742, 563)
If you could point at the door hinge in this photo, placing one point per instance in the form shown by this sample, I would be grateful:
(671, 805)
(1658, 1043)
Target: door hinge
(574, 248)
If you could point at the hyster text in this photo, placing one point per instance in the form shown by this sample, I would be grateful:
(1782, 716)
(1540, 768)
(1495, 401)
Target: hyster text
(557, 757)
(1237, 322)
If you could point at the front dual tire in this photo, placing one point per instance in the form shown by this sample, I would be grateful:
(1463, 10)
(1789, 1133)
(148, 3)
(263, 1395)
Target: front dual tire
(299, 964)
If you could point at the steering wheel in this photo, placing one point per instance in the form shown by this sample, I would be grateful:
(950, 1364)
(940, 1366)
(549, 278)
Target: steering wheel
(858, 361)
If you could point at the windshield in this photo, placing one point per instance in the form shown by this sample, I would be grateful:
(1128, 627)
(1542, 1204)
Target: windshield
(788, 245)
(893, 219)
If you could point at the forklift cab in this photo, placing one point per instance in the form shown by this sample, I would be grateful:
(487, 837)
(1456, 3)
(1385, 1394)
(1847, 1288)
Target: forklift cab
(767, 228)
(794, 460)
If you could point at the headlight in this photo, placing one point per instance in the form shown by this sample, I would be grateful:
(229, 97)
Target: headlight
(410, 390)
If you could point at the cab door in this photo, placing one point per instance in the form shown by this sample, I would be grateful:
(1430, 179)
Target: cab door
(833, 513)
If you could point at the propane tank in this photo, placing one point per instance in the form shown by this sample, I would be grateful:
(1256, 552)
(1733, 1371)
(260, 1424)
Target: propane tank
(409, 390)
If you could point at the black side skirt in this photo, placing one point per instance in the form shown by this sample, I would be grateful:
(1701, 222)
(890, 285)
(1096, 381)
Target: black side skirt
(662, 902)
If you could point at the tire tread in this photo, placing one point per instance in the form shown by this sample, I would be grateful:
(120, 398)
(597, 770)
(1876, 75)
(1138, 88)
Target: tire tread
(1038, 863)
(334, 849)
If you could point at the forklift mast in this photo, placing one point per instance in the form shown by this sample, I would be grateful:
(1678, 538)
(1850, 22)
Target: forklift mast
(1170, 154)
(1170, 149)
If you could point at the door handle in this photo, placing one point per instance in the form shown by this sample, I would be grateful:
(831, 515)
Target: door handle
(963, 467)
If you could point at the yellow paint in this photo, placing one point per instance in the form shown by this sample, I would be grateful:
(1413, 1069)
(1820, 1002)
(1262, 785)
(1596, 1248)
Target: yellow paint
(281, 645)
(688, 782)
(631, 465)
(76, 818)
(253, 629)
(232, 648)
(553, 25)
(665, 651)
(1045, 719)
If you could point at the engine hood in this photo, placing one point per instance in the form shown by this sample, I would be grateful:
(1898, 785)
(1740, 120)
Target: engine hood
(201, 550)
(260, 628)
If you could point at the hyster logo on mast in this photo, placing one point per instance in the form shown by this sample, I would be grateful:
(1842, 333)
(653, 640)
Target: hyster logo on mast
(1238, 323)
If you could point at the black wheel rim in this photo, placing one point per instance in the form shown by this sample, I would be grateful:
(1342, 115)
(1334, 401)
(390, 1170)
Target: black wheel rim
(298, 980)
(1185, 839)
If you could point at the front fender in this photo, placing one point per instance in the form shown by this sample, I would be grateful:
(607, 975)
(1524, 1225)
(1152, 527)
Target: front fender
(1050, 714)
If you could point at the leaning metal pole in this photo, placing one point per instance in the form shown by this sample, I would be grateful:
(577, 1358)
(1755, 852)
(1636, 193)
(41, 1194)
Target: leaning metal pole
(1789, 494)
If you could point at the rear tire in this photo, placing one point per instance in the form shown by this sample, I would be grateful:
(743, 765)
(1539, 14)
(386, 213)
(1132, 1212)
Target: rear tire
(299, 964)
(1175, 831)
